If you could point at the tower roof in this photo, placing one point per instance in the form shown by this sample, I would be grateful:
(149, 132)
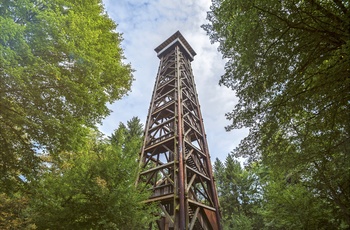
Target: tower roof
(172, 40)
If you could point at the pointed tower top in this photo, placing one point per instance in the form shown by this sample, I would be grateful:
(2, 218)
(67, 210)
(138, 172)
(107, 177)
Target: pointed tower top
(174, 39)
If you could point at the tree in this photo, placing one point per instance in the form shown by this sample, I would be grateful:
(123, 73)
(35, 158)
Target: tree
(93, 188)
(133, 129)
(60, 63)
(289, 204)
(288, 62)
(11, 212)
(256, 197)
(239, 195)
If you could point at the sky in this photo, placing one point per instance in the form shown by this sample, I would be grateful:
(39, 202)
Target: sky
(145, 25)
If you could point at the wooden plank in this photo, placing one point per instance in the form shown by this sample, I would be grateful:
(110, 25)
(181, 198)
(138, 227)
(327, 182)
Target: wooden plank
(201, 205)
(167, 197)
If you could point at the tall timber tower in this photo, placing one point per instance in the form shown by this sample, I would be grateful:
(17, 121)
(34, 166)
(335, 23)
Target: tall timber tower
(174, 159)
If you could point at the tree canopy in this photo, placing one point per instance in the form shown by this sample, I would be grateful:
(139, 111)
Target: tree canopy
(256, 197)
(93, 188)
(239, 195)
(60, 64)
(288, 62)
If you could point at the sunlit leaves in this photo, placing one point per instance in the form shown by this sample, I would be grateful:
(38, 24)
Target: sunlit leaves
(60, 63)
(93, 188)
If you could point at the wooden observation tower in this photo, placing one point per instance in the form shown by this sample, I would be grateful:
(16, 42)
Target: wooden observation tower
(174, 159)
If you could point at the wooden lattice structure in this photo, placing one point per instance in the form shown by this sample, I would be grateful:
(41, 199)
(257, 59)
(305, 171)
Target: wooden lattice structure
(175, 162)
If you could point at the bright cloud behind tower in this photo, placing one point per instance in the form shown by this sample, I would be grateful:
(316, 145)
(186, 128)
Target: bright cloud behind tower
(145, 25)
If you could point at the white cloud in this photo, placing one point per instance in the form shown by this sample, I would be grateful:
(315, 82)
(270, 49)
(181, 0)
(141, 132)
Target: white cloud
(145, 25)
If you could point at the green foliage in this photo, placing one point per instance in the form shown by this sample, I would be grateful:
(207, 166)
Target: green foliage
(291, 205)
(288, 62)
(255, 197)
(239, 195)
(11, 212)
(60, 63)
(93, 188)
(133, 129)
